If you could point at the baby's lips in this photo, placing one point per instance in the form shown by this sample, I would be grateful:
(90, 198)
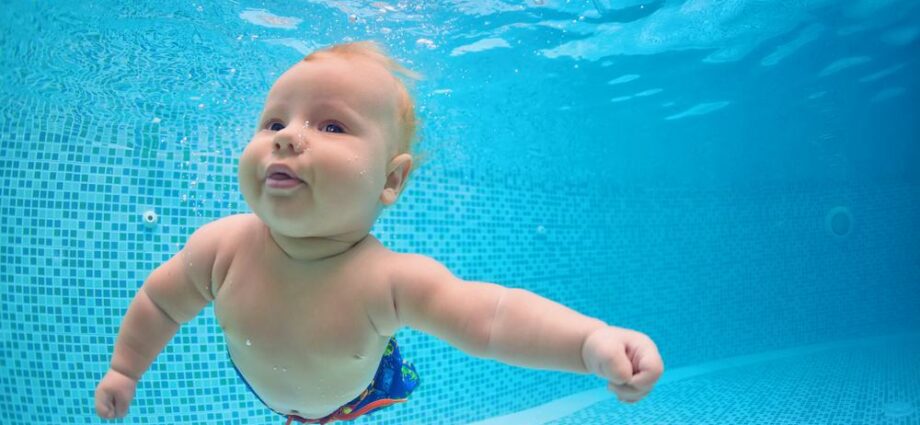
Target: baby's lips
(279, 168)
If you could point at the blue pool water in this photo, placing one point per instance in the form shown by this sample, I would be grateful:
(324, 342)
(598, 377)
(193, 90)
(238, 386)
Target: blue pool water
(739, 180)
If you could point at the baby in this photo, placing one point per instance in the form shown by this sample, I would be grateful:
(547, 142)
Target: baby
(309, 301)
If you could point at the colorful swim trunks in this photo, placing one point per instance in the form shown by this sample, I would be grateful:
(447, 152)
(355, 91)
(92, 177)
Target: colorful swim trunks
(394, 381)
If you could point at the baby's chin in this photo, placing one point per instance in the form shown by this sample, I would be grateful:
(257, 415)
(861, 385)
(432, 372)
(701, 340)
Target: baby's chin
(292, 226)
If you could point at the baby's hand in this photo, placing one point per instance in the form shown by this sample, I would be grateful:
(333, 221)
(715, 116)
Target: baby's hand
(114, 394)
(629, 360)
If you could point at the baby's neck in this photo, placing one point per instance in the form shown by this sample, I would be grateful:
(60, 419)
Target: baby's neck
(315, 249)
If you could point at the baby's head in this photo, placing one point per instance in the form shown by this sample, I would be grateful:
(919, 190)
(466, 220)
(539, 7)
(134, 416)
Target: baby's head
(344, 125)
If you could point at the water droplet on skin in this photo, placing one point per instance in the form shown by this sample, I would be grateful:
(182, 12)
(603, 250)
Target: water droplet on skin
(248, 342)
(284, 369)
(274, 367)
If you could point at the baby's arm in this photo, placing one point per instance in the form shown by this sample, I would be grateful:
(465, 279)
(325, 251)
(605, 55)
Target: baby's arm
(173, 294)
(518, 327)
(486, 320)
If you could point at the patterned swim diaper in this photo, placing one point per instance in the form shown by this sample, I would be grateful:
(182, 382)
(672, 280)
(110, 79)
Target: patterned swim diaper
(394, 381)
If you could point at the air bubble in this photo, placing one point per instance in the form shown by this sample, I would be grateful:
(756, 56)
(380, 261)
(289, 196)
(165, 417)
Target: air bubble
(425, 43)
(248, 343)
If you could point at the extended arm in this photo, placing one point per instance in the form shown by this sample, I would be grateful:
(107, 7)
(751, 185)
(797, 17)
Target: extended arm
(486, 320)
(173, 294)
(531, 331)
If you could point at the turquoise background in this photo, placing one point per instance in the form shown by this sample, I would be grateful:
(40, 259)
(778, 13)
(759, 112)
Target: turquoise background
(730, 178)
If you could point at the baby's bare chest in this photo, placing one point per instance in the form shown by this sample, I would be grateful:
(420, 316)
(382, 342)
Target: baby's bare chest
(299, 336)
(319, 314)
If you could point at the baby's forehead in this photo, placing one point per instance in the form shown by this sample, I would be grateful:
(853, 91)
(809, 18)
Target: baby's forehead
(356, 81)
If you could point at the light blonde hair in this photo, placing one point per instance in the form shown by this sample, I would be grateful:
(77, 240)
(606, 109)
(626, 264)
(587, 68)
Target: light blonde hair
(406, 118)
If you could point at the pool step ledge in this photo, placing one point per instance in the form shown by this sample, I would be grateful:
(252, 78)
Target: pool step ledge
(568, 405)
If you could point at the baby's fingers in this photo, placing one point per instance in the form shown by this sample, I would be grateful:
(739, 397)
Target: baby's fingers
(627, 393)
(113, 395)
(645, 379)
(105, 405)
(108, 406)
(649, 367)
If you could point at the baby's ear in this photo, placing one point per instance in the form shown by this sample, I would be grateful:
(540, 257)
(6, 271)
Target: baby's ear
(397, 170)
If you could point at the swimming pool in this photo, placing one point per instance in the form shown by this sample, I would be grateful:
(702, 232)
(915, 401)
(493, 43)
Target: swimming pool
(738, 180)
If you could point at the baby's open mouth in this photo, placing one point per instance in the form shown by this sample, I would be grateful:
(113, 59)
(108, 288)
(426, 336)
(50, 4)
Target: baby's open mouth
(282, 181)
(281, 176)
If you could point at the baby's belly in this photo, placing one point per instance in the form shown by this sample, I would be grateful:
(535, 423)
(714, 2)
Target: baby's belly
(302, 383)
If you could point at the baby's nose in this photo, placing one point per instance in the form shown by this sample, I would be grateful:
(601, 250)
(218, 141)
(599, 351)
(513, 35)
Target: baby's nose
(287, 145)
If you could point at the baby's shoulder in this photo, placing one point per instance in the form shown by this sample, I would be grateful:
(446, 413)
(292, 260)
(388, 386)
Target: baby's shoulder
(221, 237)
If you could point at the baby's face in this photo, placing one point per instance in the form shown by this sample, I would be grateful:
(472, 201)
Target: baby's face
(332, 121)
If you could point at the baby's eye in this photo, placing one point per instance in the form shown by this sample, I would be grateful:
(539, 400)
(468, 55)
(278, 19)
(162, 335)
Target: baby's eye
(333, 128)
(275, 126)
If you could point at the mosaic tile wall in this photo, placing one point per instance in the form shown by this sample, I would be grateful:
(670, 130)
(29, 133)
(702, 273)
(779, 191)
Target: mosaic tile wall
(858, 385)
(707, 273)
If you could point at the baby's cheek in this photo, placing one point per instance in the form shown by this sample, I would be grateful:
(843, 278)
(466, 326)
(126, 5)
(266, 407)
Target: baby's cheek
(354, 182)
(246, 174)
